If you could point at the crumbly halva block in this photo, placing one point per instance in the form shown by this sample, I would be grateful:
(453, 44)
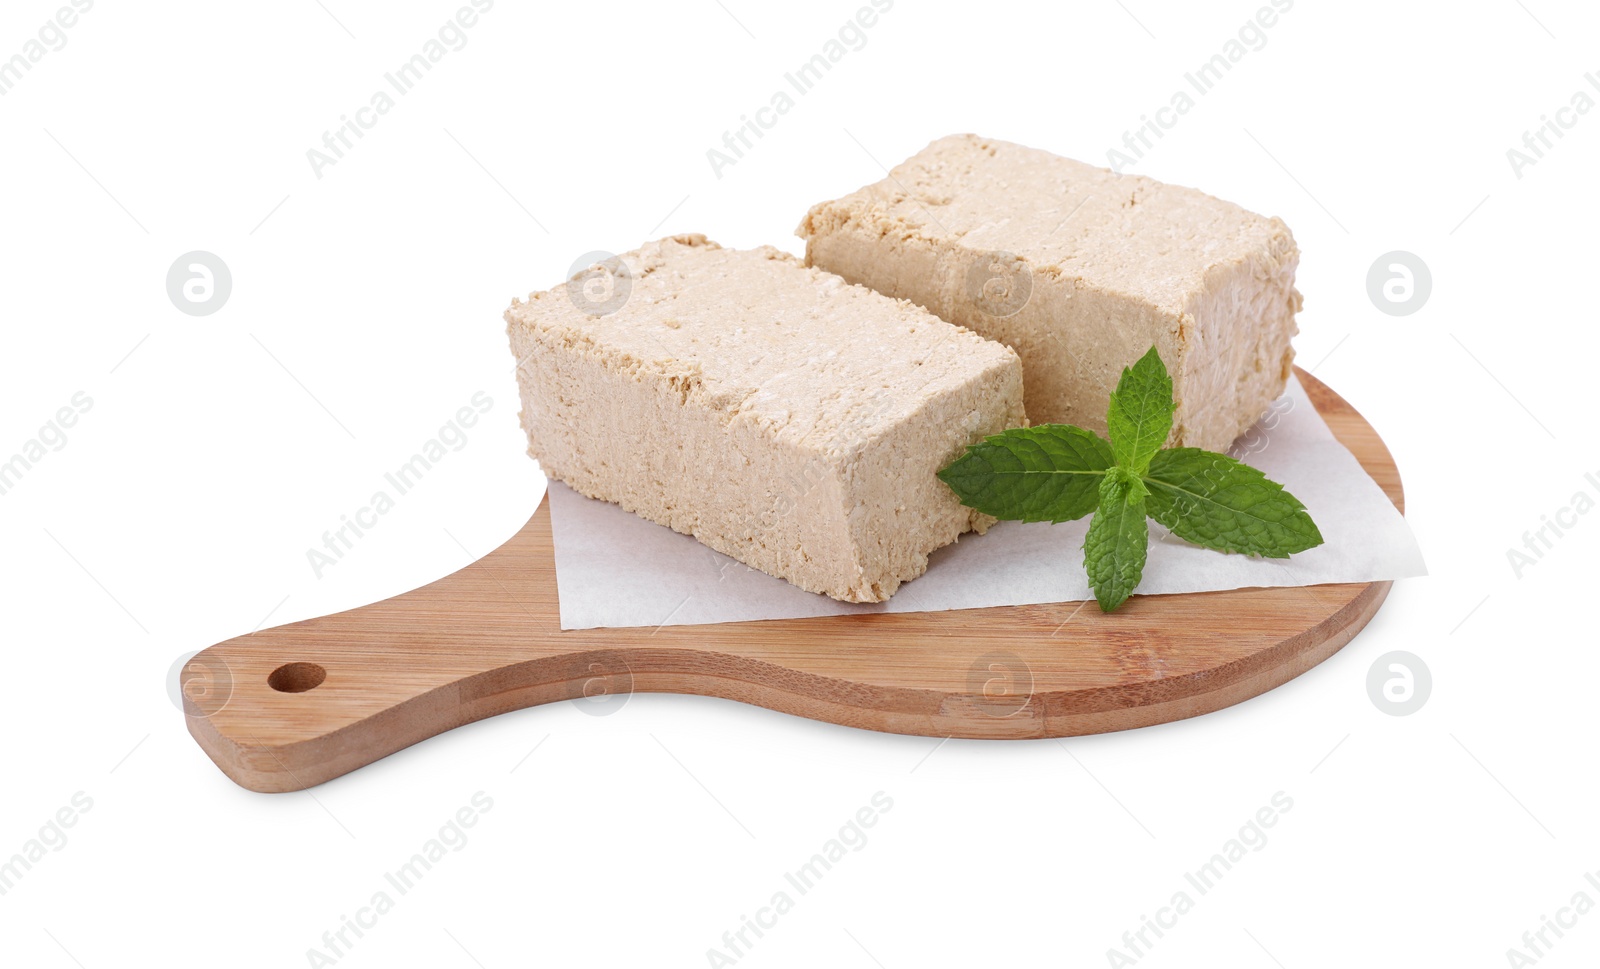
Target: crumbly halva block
(775, 412)
(1081, 271)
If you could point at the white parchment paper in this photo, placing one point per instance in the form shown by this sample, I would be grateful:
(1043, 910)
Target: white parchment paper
(614, 568)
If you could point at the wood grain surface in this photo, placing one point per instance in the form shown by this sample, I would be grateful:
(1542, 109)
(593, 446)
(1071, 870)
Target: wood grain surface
(291, 707)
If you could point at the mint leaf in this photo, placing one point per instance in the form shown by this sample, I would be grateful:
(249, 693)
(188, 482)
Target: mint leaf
(1140, 416)
(1114, 549)
(1212, 500)
(1048, 473)
(1059, 472)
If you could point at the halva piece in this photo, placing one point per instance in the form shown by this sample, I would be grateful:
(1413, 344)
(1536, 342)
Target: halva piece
(775, 412)
(1080, 271)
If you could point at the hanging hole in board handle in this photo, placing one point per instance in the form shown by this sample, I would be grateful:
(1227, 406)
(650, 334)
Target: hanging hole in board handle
(296, 677)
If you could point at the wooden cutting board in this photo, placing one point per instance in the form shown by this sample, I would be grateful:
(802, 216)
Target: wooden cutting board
(288, 708)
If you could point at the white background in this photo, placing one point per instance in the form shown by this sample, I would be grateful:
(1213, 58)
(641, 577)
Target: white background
(366, 310)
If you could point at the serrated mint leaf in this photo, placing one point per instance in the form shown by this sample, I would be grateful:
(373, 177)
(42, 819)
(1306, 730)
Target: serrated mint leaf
(1119, 537)
(1058, 472)
(1049, 473)
(1140, 416)
(1212, 500)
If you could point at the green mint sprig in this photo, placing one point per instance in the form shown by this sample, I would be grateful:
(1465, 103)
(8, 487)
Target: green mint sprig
(1061, 472)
